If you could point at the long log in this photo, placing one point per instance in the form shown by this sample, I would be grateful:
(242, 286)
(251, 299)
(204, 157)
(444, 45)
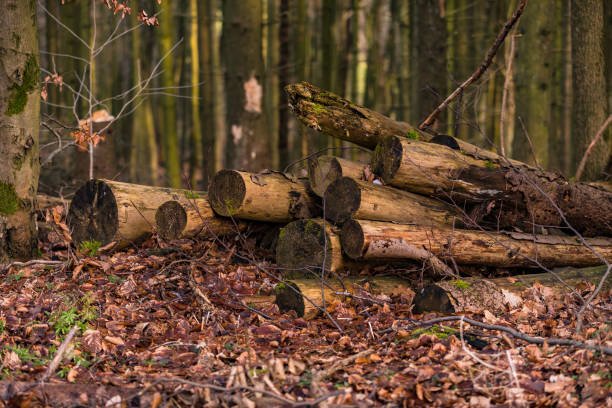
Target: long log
(107, 211)
(509, 196)
(305, 245)
(348, 198)
(323, 170)
(270, 197)
(191, 216)
(496, 295)
(382, 240)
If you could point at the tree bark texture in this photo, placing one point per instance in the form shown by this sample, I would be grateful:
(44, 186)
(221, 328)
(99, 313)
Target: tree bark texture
(269, 197)
(348, 198)
(474, 295)
(589, 84)
(110, 211)
(248, 146)
(383, 240)
(19, 128)
(324, 170)
(510, 195)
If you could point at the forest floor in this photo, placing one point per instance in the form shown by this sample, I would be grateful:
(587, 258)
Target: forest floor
(167, 328)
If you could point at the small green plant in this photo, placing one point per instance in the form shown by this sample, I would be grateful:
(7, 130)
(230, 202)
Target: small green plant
(460, 284)
(90, 248)
(489, 164)
(26, 356)
(15, 277)
(63, 372)
(305, 379)
(338, 386)
(412, 134)
(2, 326)
(439, 332)
(113, 278)
(63, 320)
(191, 195)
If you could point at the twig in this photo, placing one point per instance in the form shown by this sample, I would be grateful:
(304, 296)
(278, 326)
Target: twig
(507, 81)
(338, 365)
(59, 355)
(598, 136)
(533, 153)
(30, 263)
(483, 67)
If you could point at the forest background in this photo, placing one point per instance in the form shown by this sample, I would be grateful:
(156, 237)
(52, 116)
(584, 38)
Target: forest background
(401, 58)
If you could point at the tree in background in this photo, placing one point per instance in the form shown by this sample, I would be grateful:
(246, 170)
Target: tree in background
(589, 84)
(19, 127)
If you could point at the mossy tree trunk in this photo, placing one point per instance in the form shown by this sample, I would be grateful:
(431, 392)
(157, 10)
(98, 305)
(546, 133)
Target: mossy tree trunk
(19, 119)
(590, 100)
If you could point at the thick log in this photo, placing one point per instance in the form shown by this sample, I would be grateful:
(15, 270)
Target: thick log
(193, 216)
(348, 198)
(497, 295)
(304, 245)
(509, 196)
(323, 170)
(382, 240)
(107, 211)
(270, 197)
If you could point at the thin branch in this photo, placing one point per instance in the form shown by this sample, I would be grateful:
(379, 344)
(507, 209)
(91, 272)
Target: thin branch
(64, 26)
(59, 355)
(483, 67)
(596, 139)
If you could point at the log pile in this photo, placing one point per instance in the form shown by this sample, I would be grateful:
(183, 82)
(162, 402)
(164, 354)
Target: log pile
(419, 198)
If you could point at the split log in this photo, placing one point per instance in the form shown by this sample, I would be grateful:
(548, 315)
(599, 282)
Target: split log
(192, 216)
(509, 196)
(383, 240)
(107, 211)
(497, 295)
(347, 198)
(270, 197)
(323, 170)
(306, 245)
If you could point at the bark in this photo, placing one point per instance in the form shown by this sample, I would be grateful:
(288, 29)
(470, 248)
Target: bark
(206, 38)
(500, 294)
(348, 198)
(110, 211)
(304, 245)
(510, 195)
(271, 32)
(19, 129)
(248, 144)
(382, 240)
(323, 170)
(197, 155)
(191, 215)
(284, 73)
(589, 84)
(270, 197)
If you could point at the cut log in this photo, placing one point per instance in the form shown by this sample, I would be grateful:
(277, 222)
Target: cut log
(323, 170)
(497, 295)
(301, 295)
(304, 245)
(270, 197)
(107, 211)
(382, 240)
(193, 216)
(509, 196)
(347, 198)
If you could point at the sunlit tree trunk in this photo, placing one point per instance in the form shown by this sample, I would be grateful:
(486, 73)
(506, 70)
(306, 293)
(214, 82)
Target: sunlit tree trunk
(589, 84)
(168, 102)
(302, 66)
(196, 168)
(19, 115)
(568, 151)
(272, 39)
(248, 144)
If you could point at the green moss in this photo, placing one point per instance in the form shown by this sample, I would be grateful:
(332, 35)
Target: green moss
(19, 92)
(229, 207)
(489, 164)
(433, 330)
(9, 202)
(460, 284)
(412, 134)
(282, 233)
(318, 109)
(191, 194)
(279, 287)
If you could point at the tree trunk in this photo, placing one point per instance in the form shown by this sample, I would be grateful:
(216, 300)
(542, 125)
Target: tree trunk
(382, 240)
(107, 211)
(431, 169)
(197, 155)
(270, 197)
(590, 99)
(19, 118)
(323, 170)
(498, 295)
(190, 216)
(248, 143)
(304, 247)
(348, 198)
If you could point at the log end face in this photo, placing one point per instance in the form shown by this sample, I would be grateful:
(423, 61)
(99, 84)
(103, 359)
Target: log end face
(93, 213)
(352, 239)
(302, 244)
(289, 297)
(171, 219)
(226, 192)
(445, 140)
(321, 172)
(342, 199)
(432, 298)
(387, 158)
